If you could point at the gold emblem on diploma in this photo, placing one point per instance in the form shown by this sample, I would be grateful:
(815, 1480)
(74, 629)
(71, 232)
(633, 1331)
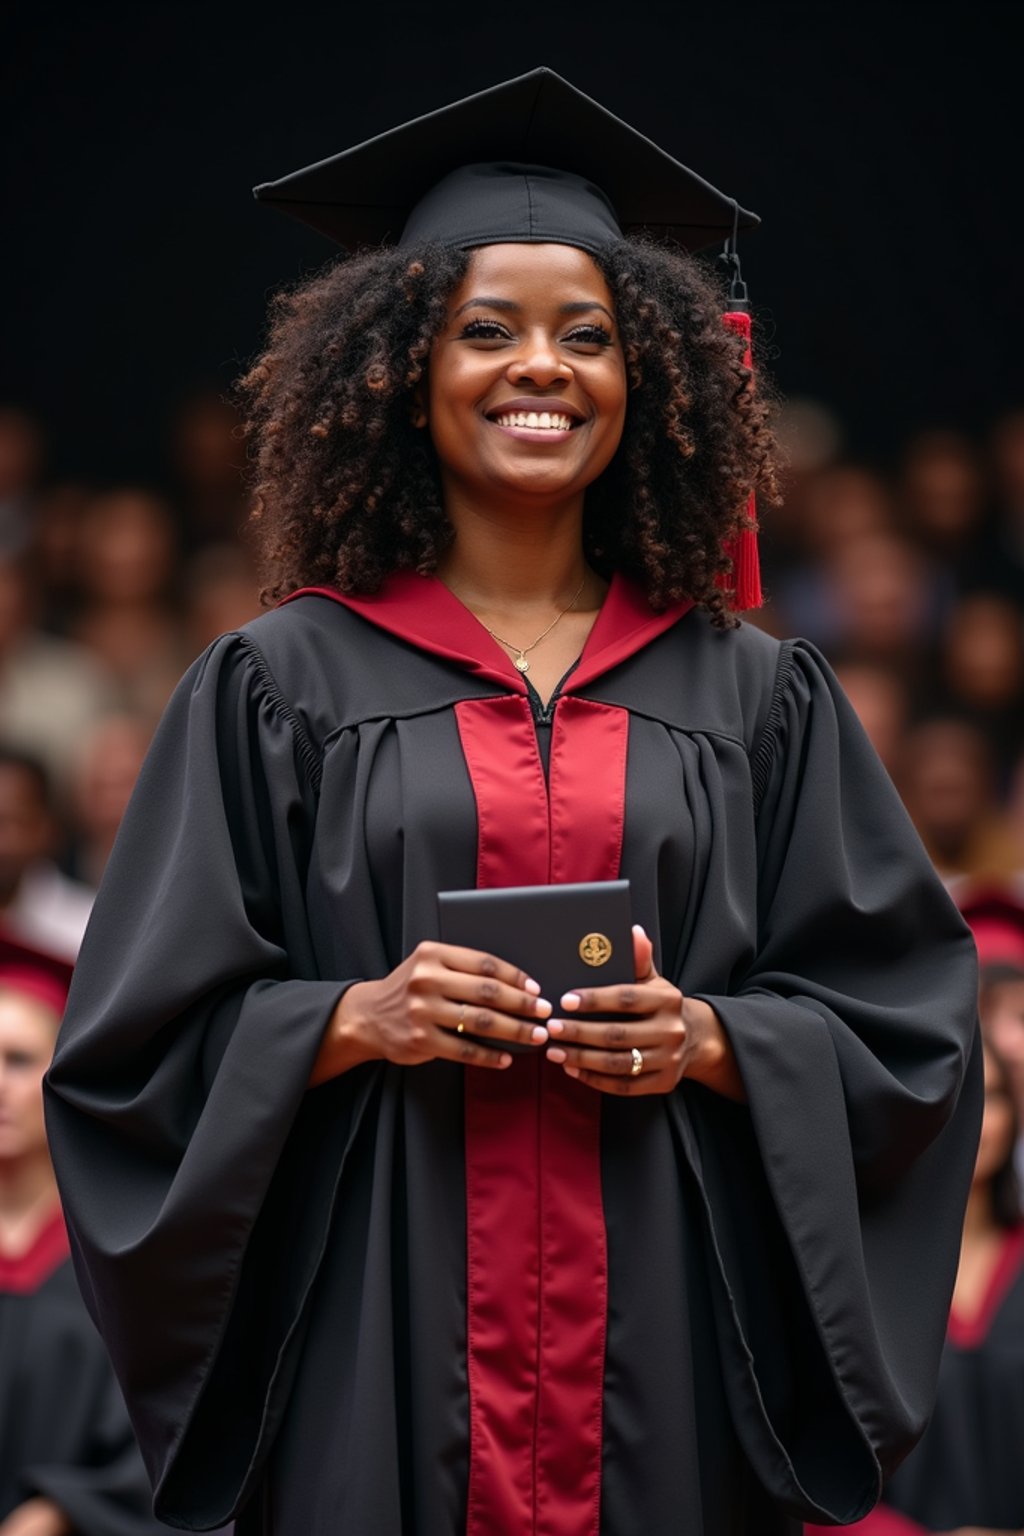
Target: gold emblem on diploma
(595, 948)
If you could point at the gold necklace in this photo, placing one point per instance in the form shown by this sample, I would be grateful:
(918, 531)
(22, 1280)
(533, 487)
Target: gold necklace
(519, 659)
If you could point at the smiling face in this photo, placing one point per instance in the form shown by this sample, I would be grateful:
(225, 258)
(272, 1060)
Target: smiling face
(527, 382)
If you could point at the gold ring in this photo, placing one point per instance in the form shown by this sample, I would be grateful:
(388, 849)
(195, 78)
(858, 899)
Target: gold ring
(638, 1062)
(461, 1025)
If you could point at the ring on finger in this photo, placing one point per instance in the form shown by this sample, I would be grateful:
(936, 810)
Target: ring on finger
(638, 1062)
(461, 1025)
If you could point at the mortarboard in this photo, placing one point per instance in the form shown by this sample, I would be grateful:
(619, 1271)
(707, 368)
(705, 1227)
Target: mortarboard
(532, 159)
(34, 972)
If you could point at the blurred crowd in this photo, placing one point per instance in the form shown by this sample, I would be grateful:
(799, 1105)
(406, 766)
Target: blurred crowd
(910, 580)
(106, 595)
(912, 583)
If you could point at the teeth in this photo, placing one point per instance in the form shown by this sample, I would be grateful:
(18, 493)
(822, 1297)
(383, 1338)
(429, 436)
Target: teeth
(551, 421)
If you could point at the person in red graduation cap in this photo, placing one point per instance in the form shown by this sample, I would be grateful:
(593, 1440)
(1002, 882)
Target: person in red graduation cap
(69, 1464)
(381, 1239)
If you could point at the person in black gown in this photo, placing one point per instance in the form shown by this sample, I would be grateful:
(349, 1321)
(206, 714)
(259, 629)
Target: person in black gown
(69, 1465)
(360, 1271)
(965, 1476)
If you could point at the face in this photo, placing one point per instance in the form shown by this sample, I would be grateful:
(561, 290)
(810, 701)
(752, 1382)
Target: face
(996, 1125)
(1002, 1020)
(26, 828)
(28, 1031)
(526, 395)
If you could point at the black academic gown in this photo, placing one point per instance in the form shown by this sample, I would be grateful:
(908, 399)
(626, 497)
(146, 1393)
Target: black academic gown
(64, 1432)
(967, 1470)
(281, 1274)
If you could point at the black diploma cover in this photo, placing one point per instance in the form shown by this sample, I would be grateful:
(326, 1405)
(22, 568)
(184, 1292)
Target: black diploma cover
(564, 936)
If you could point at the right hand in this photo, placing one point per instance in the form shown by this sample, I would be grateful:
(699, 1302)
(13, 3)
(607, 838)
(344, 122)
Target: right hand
(411, 1016)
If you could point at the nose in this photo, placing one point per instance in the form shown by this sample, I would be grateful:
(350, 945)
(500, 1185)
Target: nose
(539, 361)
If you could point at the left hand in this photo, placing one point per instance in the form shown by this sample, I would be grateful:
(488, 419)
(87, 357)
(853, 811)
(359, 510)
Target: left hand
(36, 1517)
(676, 1036)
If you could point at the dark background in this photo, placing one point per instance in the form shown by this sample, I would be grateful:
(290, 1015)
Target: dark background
(881, 147)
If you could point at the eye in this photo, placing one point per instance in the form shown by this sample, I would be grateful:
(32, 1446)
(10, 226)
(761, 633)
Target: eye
(589, 336)
(485, 330)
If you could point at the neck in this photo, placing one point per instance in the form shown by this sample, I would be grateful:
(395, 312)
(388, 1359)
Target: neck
(502, 557)
(979, 1221)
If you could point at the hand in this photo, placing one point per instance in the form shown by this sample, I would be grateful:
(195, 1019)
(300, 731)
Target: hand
(677, 1036)
(36, 1517)
(412, 1015)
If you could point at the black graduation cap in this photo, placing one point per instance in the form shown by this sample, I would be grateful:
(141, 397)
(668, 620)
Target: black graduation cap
(532, 159)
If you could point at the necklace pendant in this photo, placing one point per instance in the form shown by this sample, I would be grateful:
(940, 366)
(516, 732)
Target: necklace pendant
(521, 662)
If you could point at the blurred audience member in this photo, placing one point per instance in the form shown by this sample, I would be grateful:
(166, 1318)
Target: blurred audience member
(209, 457)
(37, 902)
(983, 669)
(56, 523)
(51, 690)
(221, 594)
(69, 1465)
(103, 778)
(881, 596)
(946, 775)
(127, 561)
(879, 698)
(21, 463)
(995, 914)
(1008, 471)
(839, 506)
(944, 497)
(964, 1478)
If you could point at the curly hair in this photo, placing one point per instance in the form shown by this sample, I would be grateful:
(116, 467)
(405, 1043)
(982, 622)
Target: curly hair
(347, 489)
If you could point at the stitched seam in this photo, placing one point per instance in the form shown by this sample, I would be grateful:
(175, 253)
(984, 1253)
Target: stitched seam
(308, 753)
(762, 755)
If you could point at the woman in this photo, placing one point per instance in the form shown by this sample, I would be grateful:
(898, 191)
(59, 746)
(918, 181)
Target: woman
(637, 1276)
(69, 1465)
(964, 1477)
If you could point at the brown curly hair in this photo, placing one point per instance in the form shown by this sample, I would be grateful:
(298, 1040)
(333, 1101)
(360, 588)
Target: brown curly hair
(347, 489)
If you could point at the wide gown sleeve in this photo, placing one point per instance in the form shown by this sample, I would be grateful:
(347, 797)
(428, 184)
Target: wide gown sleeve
(834, 1200)
(196, 1172)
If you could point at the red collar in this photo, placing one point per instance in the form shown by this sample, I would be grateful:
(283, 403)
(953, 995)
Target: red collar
(25, 1272)
(421, 609)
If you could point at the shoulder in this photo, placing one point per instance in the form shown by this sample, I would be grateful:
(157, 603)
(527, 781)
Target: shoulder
(698, 678)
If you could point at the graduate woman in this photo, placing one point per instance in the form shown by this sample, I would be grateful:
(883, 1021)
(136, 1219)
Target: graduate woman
(364, 1267)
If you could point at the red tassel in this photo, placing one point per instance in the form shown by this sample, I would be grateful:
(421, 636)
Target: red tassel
(744, 585)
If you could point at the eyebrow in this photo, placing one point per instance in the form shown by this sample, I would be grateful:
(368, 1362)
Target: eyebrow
(509, 306)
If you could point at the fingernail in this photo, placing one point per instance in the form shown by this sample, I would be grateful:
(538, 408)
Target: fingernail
(539, 1035)
(641, 931)
(570, 1000)
(556, 1026)
(571, 1071)
(532, 986)
(556, 1054)
(504, 1060)
(542, 1006)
